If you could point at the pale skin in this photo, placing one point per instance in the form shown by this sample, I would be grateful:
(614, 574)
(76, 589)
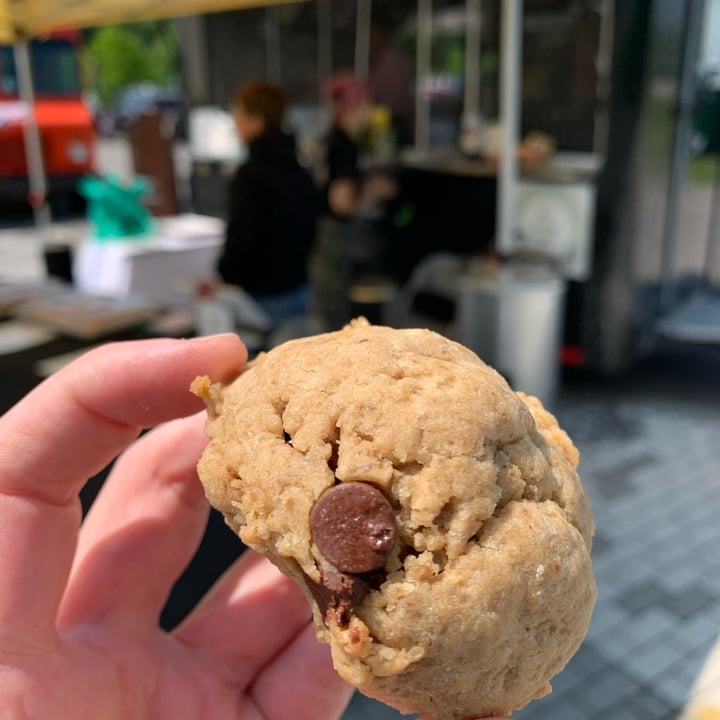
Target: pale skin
(248, 125)
(79, 604)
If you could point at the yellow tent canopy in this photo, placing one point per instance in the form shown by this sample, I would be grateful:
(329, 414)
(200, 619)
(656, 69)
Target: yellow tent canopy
(35, 18)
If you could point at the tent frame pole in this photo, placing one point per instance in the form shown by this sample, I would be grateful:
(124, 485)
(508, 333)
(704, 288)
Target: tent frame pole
(510, 97)
(37, 180)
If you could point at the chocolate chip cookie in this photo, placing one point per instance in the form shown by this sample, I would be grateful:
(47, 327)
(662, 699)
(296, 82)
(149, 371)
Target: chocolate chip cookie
(432, 516)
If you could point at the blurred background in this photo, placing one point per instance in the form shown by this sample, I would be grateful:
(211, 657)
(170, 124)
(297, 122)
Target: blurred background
(558, 211)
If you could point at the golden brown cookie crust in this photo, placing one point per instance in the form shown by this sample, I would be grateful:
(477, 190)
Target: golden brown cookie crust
(489, 589)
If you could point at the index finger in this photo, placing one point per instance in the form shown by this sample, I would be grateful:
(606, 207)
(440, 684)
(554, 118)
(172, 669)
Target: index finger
(68, 429)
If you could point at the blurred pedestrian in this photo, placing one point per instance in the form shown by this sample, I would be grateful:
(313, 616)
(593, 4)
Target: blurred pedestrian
(273, 208)
(351, 196)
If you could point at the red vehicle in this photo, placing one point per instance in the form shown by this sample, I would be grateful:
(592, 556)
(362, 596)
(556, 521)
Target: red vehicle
(65, 121)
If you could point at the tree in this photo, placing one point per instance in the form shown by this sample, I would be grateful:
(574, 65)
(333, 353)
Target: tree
(119, 55)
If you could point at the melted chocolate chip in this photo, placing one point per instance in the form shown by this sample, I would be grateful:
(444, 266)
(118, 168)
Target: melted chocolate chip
(353, 526)
(337, 594)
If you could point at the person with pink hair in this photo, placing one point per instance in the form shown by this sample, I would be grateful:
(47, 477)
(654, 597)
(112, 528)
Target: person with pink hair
(345, 242)
(348, 191)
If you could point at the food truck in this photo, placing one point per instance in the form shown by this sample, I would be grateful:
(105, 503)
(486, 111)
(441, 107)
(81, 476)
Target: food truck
(64, 120)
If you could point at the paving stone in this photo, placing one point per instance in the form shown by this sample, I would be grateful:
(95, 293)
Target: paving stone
(688, 669)
(603, 690)
(674, 577)
(708, 528)
(628, 512)
(635, 536)
(647, 705)
(363, 708)
(700, 633)
(605, 615)
(601, 545)
(687, 602)
(551, 707)
(676, 637)
(671, 688)
(587, 661)
(564, 681)
(642, 596)
(611, 583)
(650, 624)
(619, 711)
(709, 679)
(651, 660)
(613, 649)
(711, 577)
(711, 612)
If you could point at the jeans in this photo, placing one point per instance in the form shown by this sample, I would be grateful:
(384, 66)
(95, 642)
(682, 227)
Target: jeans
(283, 307)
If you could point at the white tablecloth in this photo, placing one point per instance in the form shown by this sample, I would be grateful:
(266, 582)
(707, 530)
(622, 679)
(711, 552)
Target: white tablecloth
(163, 268)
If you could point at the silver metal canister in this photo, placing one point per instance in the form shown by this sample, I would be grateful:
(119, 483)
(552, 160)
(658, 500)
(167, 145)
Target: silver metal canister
(514, 321)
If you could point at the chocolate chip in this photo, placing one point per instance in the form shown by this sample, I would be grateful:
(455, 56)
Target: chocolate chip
(353, 526)
(337, 594)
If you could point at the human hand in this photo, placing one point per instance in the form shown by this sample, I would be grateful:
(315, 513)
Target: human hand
(79, 606)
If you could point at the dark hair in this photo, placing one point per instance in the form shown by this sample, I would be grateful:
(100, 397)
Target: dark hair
(264, 99)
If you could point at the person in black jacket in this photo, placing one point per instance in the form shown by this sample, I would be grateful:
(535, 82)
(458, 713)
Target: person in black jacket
(273, 208)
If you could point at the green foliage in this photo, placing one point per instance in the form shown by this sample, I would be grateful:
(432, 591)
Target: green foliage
(119, 55)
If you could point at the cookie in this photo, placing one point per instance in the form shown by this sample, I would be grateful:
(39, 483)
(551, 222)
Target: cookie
(432, 516)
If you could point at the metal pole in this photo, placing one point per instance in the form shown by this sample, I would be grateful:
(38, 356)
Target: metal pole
(603, 64)
(680, 150)
(325, 63)
(37, 181)
(471, 101)
(272, 45)
(422, 72)
(362, 38)
(193, 38)
(510, 70)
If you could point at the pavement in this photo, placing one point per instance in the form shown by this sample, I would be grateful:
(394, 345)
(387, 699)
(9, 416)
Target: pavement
(648, 462)
(648, 444)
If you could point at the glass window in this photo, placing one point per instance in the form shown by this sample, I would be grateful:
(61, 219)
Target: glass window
(8, 77)
(55, 68)
(54, 65)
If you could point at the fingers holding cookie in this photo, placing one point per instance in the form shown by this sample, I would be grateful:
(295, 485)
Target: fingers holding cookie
(303, 671)
(251, 614)
(163, 517)
(68, 429)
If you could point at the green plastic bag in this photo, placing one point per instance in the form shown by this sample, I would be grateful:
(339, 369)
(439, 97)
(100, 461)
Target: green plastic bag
(116, 210)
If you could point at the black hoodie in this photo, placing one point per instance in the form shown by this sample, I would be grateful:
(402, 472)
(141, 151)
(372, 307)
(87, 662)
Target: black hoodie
(273, 208)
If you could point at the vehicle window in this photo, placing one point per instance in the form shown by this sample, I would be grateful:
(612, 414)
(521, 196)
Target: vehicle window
(55, 68)
(8, 77)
